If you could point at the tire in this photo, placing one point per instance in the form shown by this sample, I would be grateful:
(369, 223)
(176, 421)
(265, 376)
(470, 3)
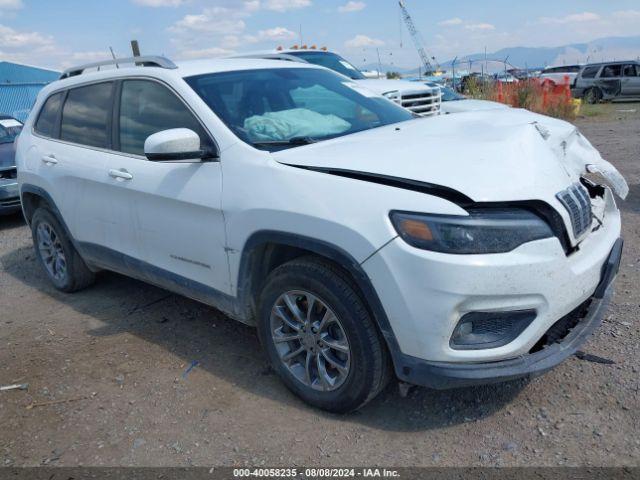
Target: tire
(593, 96)
(60, 260)
(320, 382)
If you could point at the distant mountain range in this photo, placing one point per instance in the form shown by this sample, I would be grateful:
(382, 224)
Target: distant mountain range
(602, 49)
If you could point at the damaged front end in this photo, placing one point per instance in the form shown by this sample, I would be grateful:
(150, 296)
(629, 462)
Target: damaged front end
(578, 155)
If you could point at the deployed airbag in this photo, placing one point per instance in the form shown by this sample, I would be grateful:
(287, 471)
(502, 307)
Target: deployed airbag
(297, 122)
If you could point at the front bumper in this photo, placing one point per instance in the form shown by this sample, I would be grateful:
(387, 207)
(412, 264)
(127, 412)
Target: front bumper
(9, 196)
(443, 375)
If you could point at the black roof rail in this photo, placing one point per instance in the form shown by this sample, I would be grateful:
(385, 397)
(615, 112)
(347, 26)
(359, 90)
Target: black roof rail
(149, 61)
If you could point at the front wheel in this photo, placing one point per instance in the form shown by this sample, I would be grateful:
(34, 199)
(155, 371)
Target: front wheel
(319, 336)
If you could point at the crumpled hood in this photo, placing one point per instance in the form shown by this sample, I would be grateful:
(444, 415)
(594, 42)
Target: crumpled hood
(7, 155)
(381, 85)
(494, 155)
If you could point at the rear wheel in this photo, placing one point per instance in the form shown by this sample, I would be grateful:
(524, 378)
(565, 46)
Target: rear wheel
(593, 96)
(57, 256)
(319, 336)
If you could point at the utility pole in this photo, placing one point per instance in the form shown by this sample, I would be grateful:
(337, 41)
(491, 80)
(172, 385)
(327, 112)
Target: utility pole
(453, 72)
(486, 67)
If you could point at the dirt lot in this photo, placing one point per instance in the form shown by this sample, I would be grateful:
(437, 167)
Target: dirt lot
(116, 355)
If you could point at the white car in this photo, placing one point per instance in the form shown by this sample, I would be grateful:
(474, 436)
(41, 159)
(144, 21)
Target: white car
(361, 241)
(560, 75)
(454, 102)
(418, 98)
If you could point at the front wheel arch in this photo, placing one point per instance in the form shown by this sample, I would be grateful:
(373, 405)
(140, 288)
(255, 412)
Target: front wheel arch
(593, 95)
(251, 276)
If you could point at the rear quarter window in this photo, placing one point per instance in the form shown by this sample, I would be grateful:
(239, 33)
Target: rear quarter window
(46, 123)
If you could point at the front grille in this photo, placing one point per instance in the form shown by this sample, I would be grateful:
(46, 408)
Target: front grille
(9, 173)
(422, 103)
(10, 202)
(578, 203)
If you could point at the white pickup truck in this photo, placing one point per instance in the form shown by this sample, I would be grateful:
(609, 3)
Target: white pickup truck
(422, 99)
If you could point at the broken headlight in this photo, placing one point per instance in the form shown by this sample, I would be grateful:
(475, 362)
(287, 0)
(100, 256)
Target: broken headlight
(482, 231)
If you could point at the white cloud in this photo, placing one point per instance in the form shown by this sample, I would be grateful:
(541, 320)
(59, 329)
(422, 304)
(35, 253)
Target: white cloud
(352, 6)
(209, 22)
(362, 41)
(626, 14)
(206, 52)
(573, 18)
(276, 33)
(480, 27)
(11, 4)
(11, 39)
(285, 5)
(450, 22)
(223, 29)
(78, 58)
(159, 3)
(214, 20)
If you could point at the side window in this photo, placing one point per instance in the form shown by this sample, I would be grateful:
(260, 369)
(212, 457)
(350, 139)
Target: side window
(148, 107)
(46, 123)
(86, 115)
(611, 71)
(630, 71)
(590, 72)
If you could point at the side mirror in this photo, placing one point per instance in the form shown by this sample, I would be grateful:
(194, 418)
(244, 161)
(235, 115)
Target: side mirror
(174, 145)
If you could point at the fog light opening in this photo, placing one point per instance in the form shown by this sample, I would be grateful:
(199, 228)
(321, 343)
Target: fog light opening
(483, 330)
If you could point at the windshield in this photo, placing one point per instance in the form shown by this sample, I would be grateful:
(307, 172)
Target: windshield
(9, 130)
(286, 107)
(331, 61)
(450, 95)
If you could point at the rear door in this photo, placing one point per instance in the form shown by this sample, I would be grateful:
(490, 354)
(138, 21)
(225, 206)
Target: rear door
(71, 144)
(173, 209)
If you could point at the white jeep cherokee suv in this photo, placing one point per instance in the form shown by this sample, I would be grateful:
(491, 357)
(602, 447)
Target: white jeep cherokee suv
(360, 240)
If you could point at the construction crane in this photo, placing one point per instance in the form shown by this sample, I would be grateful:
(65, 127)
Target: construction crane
(417, 39)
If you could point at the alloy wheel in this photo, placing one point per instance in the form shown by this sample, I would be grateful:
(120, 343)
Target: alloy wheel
(51, 251)
(310, 340)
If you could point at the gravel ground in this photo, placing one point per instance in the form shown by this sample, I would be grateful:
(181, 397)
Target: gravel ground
(107, 382)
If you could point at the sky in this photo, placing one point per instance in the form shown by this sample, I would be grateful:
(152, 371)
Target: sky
(62, 33)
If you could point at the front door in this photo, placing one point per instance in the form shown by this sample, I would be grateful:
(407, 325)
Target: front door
(173, 209)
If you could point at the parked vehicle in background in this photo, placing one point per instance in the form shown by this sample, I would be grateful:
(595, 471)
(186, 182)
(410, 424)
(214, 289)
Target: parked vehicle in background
(10, 128)
(418, 99)
(359, 239)
(454, 102)
(560, 75)
(475, 80)
(608, 81)
(505, 78)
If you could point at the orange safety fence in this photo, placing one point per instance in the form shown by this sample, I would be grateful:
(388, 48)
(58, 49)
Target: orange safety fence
(537, 95)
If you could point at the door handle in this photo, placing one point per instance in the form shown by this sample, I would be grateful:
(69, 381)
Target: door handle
(49, 159)
(120, 174)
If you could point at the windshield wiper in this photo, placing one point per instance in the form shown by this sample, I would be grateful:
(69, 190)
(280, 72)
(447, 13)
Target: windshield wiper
(291, 141)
